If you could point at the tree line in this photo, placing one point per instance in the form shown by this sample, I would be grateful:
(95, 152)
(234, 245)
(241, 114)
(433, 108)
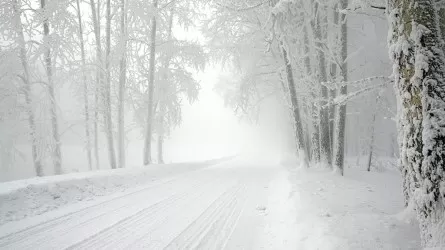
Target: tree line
(123, 56)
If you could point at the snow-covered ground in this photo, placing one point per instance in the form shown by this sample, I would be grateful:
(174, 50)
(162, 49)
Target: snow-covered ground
(362, 210)
(253, 202)
(202, 207)
(24, 198)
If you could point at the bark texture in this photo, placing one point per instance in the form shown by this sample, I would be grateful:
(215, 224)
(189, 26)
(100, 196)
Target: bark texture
(325, 147)
(298, 124)
(419, 70)
(341, 112)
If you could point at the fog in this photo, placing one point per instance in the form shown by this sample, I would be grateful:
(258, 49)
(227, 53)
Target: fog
(184, 124)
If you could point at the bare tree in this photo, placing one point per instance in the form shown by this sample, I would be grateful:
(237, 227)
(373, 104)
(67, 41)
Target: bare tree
(163, 93)
(56, 154)
(320, 37)
(107, 89)
(147, 146)
(99, 77)
(295, 108)
(27, 92)
(341, 112)
(333, 75)
(122, 81)
(85, 89)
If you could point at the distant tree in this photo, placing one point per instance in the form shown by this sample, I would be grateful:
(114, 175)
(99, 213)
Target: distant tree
(27, 91)
(85, 88)
(150, 108)
(122, 85)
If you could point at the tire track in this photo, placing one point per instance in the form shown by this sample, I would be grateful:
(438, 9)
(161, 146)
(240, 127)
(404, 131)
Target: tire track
(66, 224)
(218, 219)
(141, 224)
(58, 220)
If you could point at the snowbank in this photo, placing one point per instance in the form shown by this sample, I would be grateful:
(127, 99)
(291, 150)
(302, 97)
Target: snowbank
(357, 211)
(29, 197)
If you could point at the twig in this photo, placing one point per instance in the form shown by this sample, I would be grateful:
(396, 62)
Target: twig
(378, 7)
(243, 9)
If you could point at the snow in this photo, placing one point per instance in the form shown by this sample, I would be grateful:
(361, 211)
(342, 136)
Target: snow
(29, 197)
(202, 207)
(210, 205)
(357, 211)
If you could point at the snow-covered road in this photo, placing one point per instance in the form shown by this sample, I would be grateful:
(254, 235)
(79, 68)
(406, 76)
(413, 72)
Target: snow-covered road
(224, 206)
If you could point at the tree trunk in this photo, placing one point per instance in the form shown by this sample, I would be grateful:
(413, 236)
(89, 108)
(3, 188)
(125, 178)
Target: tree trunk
(315, 136)
(441, 13)
(122, 82)
(341, 115)
(27, 89)
(163, 93)
(85, 89)
(419, 70)
(160, 149)
(107, 90)
(295, 108)
(333, 73)
(371, 143)
(99, 77)
(325, 147)
(147, 148)
(307, 140)
(56, 154)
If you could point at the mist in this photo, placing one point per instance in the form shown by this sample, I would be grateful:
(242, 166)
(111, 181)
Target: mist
(179, 124)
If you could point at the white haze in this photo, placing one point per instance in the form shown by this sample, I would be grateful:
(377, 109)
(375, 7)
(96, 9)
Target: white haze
(222, 124)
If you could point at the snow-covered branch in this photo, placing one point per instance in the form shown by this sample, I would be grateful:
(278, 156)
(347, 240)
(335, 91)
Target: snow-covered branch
(364, 81)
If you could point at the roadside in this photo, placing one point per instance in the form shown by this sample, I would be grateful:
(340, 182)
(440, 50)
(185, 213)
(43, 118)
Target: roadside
(357, 211)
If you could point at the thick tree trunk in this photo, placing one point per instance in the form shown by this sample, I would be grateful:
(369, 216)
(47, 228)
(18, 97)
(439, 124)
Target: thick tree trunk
(122, 82)
(56, 154)
(99, 77)
(85, 89)
(107, 90)
(341, 115)
(27, 92)
(295, 109)
(315, 136)
(325, 147)
(419, 70)
(147, 147)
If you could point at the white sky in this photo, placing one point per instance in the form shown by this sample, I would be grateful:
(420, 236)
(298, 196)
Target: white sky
(209, 129)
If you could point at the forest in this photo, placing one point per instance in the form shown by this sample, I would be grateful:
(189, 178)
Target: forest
(359, 84)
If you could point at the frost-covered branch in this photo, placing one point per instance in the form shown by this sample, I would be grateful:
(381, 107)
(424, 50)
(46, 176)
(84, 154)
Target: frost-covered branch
(342, 99)
(364, 81)
(248, 8)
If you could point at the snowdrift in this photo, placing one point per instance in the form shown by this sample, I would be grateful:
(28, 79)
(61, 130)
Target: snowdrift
(29, 197)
